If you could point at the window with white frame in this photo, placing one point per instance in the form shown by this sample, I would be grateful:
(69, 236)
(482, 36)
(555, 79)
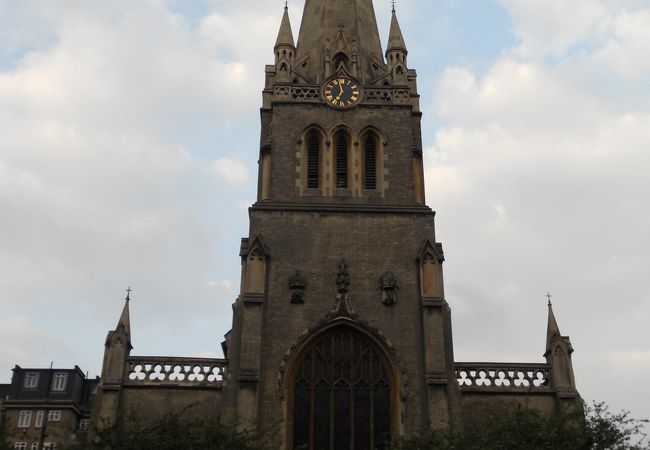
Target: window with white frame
(21, 445)
(35, 446)
(40, 418)
(54, 415)
(84, 424)
(59, 382)
(25, 419)
(49, 445)
(31, 380)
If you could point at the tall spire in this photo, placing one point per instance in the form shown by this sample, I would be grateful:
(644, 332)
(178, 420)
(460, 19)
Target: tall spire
(326, 22)
(285, 35)
(395, 38)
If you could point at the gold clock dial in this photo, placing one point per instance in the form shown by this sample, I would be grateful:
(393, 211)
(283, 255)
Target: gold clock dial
(342, 92)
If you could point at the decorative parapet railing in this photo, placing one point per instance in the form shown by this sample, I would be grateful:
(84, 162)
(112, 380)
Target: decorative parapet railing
(175, 372)
(306, 94)
(311, 94)
(503, 377)
(387, 95)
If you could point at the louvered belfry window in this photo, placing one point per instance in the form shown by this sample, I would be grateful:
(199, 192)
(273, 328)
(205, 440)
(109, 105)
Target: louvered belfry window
(313, 160)
(370, 162)
(341, 395)
(342, 143)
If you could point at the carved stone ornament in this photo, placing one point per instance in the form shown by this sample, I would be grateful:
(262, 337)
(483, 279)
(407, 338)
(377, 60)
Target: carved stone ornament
(343, 307)
(388, 285)
(343, 278)
(297, 284)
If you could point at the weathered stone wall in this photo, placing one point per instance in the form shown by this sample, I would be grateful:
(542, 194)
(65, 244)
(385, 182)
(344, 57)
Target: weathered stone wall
(397, 124)
(150, 404)
(476, 406)
(371, 243)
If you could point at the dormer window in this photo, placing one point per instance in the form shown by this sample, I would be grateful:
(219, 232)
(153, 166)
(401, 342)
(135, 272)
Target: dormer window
(59, 382)
(31, 380)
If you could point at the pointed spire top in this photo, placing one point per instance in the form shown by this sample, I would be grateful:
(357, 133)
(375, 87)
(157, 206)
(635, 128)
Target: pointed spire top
(393, 2)
(552, 328)
(285, 35)
(124, 324)
(395, 38)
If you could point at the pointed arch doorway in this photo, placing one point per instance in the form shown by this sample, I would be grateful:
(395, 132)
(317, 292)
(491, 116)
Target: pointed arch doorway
(342, 393)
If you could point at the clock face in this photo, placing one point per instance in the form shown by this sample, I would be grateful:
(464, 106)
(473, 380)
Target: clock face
(342, 92)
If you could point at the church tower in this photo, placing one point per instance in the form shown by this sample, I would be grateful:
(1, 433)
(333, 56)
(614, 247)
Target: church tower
(341, 331)
(341, 336)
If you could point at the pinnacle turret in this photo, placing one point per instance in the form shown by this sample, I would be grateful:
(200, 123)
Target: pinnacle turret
(285, 50)
(124, 323)
(558, 355)
(552, 328)
(395, 38)
(285, 35)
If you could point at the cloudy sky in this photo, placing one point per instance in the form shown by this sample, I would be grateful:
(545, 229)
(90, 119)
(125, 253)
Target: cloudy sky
(128, 148)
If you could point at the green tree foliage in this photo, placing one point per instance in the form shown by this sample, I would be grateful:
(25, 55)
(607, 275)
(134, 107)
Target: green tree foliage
(609, 431)
(4, 436)
(528, 429)
(175, 433)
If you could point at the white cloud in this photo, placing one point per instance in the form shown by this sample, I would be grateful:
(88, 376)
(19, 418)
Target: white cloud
(552, 27)
(28, 344)
(231, 170)
(222, 285)
(104, 120)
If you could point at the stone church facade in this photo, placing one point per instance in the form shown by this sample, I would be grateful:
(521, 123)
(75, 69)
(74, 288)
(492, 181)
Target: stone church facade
(341, 334)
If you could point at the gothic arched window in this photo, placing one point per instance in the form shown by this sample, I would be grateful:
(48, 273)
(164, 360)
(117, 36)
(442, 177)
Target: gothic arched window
(341, 394)
(313, 159)
(340, 59)
(342, 142)
(370, 162)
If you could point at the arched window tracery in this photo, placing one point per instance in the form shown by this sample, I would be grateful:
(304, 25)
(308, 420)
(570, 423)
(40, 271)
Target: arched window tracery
(342, 394)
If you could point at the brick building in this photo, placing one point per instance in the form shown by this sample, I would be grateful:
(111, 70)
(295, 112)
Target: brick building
(342, 333)
(45, 408)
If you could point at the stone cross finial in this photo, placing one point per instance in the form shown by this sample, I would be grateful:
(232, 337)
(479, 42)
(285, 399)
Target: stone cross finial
(128, 293)
(548, 296)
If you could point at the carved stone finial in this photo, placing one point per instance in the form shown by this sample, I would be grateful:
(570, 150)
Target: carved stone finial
(388, 285)
(297, 284)
(343, 278)
(343, 307)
